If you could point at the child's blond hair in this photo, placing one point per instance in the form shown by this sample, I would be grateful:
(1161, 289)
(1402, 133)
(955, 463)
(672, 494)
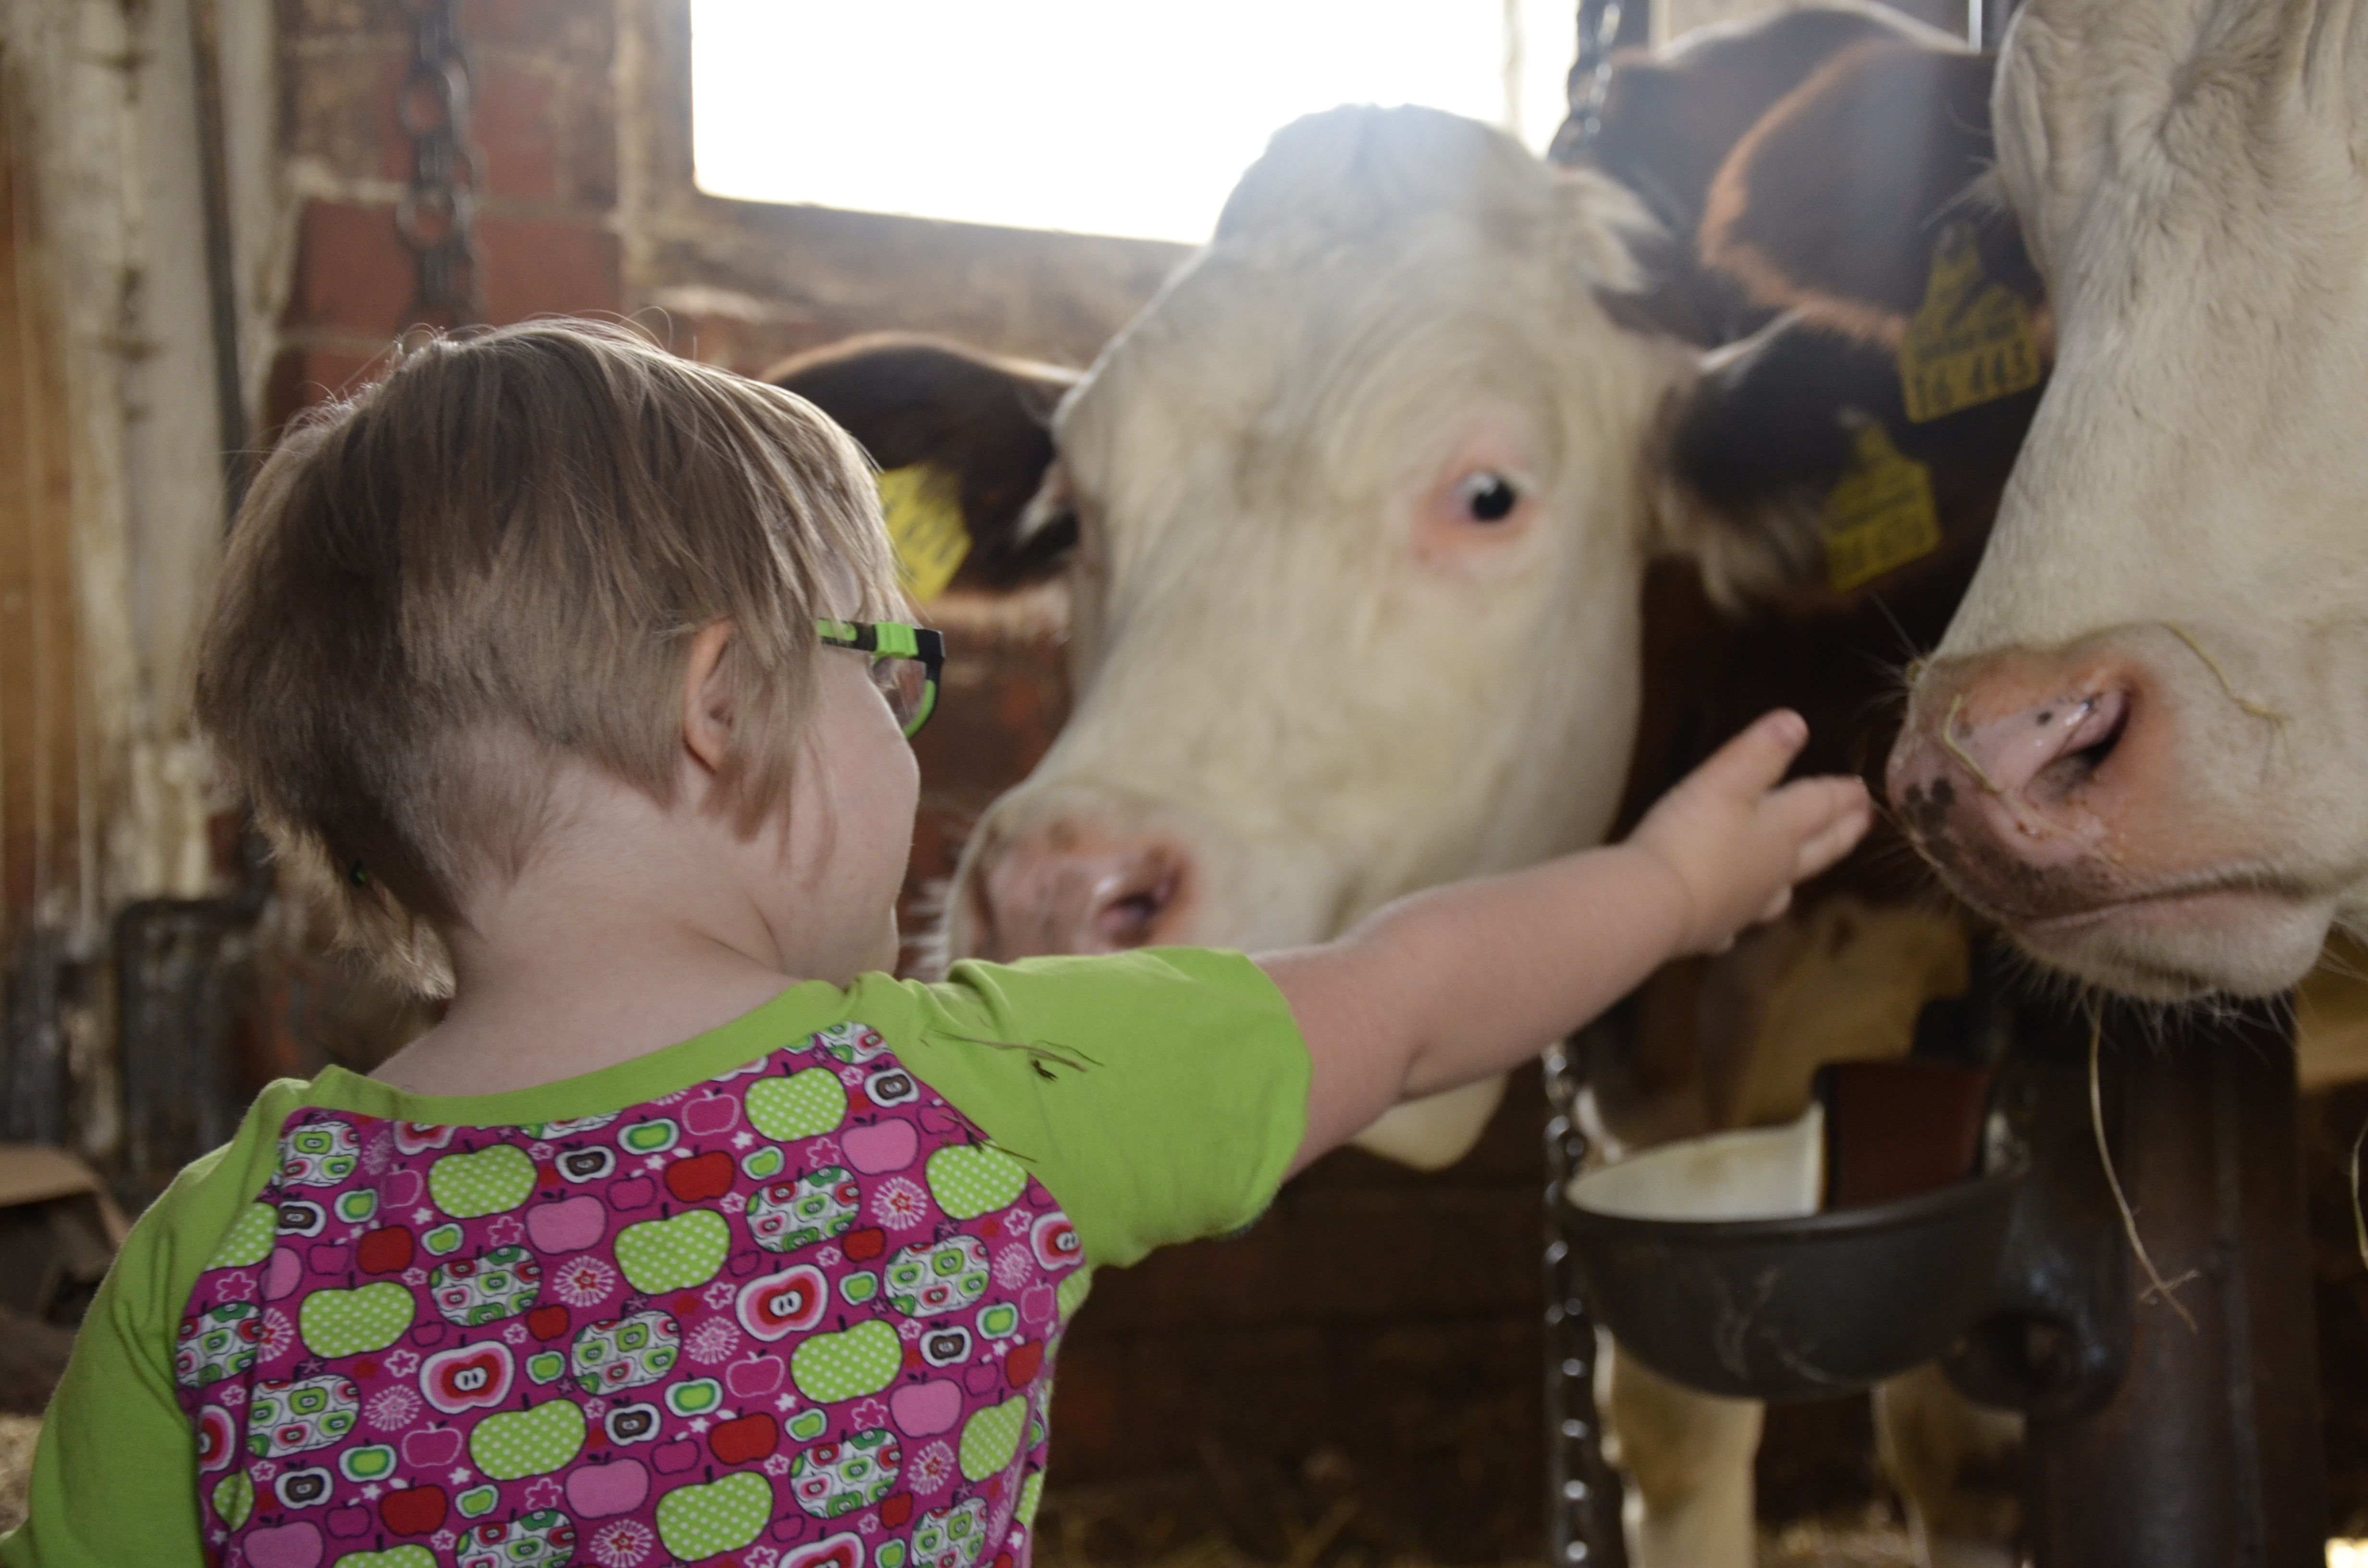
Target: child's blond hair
(497, 556)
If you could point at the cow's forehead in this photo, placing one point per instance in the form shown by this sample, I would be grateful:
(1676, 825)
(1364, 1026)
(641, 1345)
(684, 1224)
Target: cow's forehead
(2223, 106)
(1333, 369)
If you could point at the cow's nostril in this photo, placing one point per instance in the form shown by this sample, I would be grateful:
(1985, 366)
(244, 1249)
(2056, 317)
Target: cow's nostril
(2095, 727)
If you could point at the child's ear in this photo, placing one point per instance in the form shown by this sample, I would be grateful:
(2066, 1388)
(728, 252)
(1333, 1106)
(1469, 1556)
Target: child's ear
(708, 700)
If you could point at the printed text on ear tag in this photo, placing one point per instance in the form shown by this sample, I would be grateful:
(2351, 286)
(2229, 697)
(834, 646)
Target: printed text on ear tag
(1970, 342)
(1880, 515)
(922, 504)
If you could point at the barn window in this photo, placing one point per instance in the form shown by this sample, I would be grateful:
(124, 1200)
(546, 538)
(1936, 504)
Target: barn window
(1081, 115)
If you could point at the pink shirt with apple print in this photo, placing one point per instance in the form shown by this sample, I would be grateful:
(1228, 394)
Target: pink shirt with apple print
(800, 1311)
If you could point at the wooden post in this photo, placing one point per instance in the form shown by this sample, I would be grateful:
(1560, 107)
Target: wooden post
(2208, 1453)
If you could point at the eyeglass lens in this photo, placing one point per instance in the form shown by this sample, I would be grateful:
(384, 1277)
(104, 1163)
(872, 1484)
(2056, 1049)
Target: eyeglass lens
(904, 683)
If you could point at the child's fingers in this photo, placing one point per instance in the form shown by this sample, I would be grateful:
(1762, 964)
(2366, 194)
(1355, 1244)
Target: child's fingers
(1825, 817)
(1754, 761)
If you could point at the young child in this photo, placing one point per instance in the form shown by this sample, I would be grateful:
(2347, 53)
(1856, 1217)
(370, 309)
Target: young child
(690, 1235)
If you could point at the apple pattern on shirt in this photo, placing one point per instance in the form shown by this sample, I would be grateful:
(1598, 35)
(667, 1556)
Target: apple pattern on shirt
(800, 1315)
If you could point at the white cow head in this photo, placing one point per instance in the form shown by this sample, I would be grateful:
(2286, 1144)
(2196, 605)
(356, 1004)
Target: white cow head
(1362, 503)
(2144, 740)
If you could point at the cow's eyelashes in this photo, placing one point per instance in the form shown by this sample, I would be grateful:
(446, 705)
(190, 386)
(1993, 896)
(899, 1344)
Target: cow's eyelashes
(1487, 496)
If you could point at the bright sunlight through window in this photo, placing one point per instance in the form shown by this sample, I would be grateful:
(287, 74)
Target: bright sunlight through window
(1100, 117)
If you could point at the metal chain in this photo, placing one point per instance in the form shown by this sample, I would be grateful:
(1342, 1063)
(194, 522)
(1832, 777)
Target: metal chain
(1582, 1491)
(437, 216)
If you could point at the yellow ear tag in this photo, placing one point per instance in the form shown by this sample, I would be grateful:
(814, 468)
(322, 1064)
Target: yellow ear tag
(1880, 515)
(922, 504)
(1970, 342)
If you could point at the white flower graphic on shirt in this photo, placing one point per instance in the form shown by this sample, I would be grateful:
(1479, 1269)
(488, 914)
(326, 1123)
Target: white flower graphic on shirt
(900, 1204)
(929, 1470)
(621, 1544)
(403, 1363)
(1014, 1267)
(278, 1336)
(583, 1281)
(392, 1408)
(713, 1341)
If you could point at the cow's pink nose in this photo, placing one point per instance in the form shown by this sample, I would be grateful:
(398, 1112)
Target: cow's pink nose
(1067, 887)
(2004, 763)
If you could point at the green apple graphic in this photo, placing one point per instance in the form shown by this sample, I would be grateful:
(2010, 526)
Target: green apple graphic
(723, 1515)
(803, 1104)
(1073, 1293)
(249, 1241)
(832, 1367)
(674, 1254)
(971, 1179)
(394, 1557)
(518, 1443)
(348, 1323)
(235, 1498)
(1031, 1494)
(991, 1436)
(491, 1181)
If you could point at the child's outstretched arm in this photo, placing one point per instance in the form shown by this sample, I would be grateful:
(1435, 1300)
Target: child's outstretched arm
(1459, 982)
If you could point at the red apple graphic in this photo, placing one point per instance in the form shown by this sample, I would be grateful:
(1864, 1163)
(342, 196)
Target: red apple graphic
(386, 1251)
(467, 1376)
(703, 1176)
(415, 1510)
(863, 1245)
(433, 1449)
(894, 1511)
(924, 1410)
(748, 1437)
(673, 1459)
(347, 1523)
(710, 1114)
(881, 1147)
(596, 1491)
(547, 1324)
(1022, 1365)
(752, 1378)
(790, 1301)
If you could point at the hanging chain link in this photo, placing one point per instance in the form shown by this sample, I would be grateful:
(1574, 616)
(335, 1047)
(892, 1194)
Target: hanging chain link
(1583, 1491)
(437, 216)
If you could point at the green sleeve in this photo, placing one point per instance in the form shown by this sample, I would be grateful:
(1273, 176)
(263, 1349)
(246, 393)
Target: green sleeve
(115, 1473)
(1159, 1096)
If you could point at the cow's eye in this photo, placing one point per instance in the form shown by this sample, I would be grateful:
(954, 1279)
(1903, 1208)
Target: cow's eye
(1487, 496)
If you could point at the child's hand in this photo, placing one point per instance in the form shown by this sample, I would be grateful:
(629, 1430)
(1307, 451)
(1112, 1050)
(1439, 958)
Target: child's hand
(1737, 842)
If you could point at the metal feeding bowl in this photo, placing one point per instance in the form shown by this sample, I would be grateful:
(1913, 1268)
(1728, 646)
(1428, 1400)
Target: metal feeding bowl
(1799, 1306)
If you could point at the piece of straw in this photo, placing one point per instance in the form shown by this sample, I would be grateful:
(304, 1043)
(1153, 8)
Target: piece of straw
(2167, 1289)
(2255, 709)
(2359, 1220)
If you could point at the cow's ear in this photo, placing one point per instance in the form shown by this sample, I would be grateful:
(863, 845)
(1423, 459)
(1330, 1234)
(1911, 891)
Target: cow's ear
(1668, 120)
(982, 420)
(1831, 205)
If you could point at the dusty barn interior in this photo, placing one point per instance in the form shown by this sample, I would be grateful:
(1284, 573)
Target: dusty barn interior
(219, 212)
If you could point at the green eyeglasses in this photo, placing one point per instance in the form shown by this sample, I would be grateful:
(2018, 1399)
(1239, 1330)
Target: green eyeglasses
(905, 664)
